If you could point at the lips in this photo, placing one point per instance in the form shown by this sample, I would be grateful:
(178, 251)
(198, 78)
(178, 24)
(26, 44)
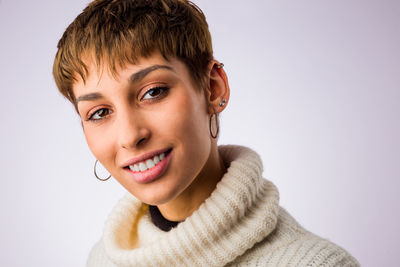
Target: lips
(148, 163)
(145, 156)
(149, 166)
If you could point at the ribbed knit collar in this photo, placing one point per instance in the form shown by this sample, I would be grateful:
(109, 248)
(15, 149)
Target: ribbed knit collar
(242, 210)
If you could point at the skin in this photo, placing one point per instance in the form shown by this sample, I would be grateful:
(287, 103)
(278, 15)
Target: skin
(123, 118)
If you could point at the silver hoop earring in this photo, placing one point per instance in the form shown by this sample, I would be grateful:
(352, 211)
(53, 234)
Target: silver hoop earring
(217, 123)
(220, 65)
(95, 173)
(222, 103)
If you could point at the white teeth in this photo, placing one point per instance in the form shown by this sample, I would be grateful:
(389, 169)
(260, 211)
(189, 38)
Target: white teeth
(148, 164)
(142, 166)
(134, 168)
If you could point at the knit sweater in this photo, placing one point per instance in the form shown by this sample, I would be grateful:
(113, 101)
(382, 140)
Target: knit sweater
(240, 224)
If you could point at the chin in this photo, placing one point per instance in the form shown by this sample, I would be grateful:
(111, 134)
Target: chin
(157, 195)
(156, 200)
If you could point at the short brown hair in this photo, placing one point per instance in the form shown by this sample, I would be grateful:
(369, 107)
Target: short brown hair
(116, 32)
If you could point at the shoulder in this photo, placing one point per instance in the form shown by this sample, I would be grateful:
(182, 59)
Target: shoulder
(291, 245)
(98, 258)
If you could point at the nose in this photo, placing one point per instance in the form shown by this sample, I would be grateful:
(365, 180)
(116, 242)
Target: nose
(132, 130)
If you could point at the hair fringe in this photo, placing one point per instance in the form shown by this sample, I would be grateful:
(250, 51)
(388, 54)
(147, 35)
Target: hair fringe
(112, 33)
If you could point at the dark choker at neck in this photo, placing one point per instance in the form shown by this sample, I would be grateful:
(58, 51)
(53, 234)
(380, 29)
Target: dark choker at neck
(159, 220)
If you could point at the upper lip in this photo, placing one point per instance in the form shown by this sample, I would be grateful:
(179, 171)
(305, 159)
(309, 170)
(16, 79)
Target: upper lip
(144, 156)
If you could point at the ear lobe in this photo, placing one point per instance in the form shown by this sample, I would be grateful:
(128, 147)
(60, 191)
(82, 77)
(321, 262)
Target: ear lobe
(218, 91)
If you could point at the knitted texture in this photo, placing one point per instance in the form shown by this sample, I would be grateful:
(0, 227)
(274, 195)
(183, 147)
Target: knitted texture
(240, 224)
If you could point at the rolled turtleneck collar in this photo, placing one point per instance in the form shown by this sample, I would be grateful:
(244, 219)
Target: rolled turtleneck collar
(241, 211)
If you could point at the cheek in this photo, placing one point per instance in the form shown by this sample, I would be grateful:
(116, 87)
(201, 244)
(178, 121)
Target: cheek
(99, 145)
(190, 129)
(188, 119)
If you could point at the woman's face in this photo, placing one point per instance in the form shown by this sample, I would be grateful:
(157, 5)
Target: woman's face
(148, 126)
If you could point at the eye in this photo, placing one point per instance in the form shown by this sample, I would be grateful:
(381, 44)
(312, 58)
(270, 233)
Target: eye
(155, 92)
(99, 114)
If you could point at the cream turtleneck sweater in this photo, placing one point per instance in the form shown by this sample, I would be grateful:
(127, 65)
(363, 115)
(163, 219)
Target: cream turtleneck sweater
(240, 224)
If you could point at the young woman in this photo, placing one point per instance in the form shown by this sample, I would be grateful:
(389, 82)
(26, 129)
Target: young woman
(142, 76)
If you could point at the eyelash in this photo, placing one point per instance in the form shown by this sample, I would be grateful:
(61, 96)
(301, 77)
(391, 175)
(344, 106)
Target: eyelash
(163, 92)
(163, 89)
(96, 112)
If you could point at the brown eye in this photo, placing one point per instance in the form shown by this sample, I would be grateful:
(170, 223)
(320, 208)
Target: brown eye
(155, 92)
(100, 114)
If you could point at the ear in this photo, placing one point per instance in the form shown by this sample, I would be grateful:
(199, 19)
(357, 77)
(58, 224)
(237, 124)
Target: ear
(218, 88)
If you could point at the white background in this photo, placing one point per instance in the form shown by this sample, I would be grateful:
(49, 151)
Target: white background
(315, 89)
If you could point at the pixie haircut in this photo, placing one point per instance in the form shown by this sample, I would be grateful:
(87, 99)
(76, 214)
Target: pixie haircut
(113, 33)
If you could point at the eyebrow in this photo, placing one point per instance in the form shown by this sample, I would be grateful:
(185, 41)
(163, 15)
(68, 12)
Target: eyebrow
(88, 97)
(137, 76)
(142, 73)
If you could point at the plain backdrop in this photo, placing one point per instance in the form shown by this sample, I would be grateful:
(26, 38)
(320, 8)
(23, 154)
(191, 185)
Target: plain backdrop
(315, 89)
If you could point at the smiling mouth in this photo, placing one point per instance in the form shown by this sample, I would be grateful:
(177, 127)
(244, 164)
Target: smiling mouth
(150, 163)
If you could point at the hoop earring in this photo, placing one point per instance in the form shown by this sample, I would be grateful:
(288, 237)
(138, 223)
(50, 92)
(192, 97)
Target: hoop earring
(95, 173)
(217, 122)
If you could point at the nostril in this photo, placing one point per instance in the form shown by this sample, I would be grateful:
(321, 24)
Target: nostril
(133, 136)
(142, 140)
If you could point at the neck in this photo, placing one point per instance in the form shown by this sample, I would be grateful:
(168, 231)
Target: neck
(199, 190)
